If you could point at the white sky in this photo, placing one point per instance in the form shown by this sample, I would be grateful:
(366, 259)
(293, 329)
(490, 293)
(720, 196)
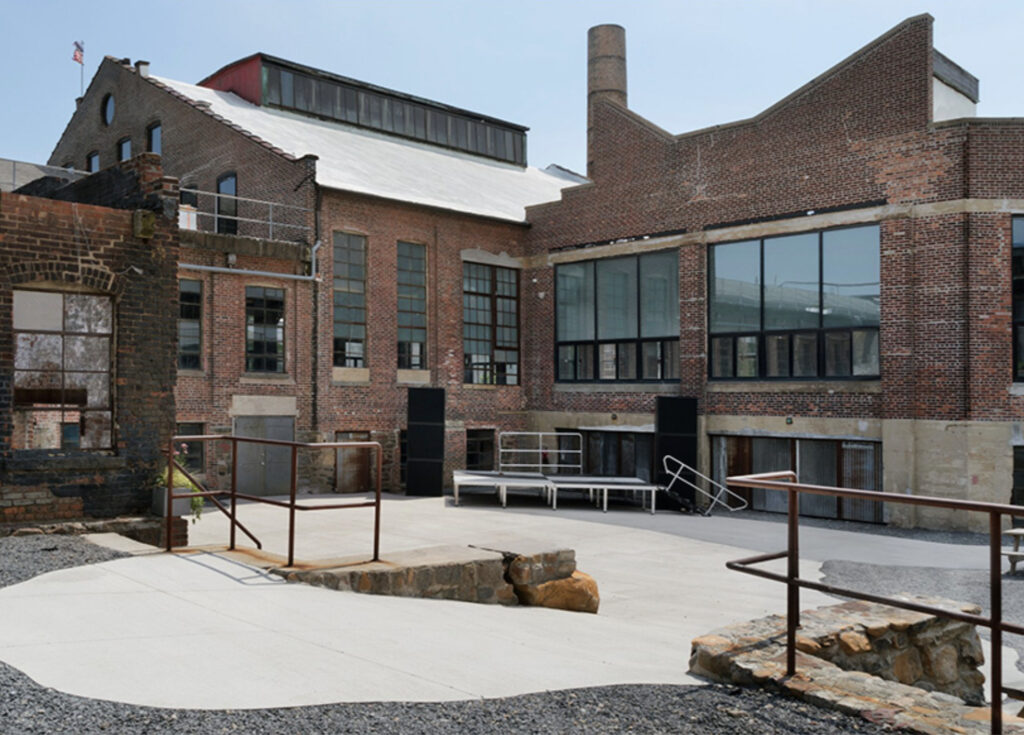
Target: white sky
(690, 64)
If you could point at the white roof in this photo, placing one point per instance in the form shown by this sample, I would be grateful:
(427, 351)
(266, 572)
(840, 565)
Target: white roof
(364, 161)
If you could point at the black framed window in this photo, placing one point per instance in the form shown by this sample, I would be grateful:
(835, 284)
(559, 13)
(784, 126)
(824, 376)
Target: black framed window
(190, 319)
(92, 161)
(795, 306)
(264, 329)
(490, 324)
(193, 456)
(412, 306)
(618, 318)
(227, 204)
(349, 300)
(1018, 297)
(63, 370)
(154, 138)
(124, 149)
(479, 449)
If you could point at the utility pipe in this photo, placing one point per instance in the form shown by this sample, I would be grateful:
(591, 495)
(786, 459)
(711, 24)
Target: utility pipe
(269, 274)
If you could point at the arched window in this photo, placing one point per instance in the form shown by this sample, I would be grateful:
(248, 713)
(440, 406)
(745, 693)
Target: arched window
(227, 204)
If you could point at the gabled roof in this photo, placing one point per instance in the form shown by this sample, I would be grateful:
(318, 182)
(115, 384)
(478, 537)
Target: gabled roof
(363, 161)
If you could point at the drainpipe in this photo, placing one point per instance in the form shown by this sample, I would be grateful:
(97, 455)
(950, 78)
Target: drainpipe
(269, 274)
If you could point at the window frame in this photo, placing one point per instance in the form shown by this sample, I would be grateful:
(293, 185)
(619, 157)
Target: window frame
(762, 334)
(124, 145)
(356, 300)
(63, 407)
(184, 355)
(489, 372)
(668, 367)
(156, 127)
(477, 441)
(407, 360)
(257, 362)
(1017, 320)
(92, 162)
(226, 222)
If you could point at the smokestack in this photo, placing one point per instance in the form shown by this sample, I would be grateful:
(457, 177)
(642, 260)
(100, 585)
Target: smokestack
(606, 73)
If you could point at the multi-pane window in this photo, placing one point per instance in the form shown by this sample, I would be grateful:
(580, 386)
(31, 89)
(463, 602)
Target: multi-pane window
(227, 204)
(190, 332)
(618, 318)
(154, 138)
(192, 456)
(335, 99)
(62, 370)
(412, 306)
(124, 149)
(349, 300)
(490, 324)
(264, 329)
(796, 306)
(1018, 298)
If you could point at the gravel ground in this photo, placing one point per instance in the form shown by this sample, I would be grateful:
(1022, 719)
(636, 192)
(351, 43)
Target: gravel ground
(26, 707)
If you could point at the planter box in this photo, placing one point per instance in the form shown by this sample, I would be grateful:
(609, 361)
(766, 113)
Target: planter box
(182, 506)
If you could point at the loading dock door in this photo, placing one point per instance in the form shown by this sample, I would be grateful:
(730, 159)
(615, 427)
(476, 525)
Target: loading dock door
(264, 469)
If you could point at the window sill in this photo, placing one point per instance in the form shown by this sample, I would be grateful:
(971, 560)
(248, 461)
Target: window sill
(182, 373)
(1017, 389)
(873, 385)
(489, 386)
(264, 378)
(412, 377)
(350, 375)
(671, 389)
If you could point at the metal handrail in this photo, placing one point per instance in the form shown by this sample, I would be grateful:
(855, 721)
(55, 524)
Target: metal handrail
(269, 222)
(539, 450)
(788, 483)
(172, 464)
(676, 475)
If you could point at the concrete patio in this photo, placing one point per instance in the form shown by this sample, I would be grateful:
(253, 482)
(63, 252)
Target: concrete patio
(199, 630)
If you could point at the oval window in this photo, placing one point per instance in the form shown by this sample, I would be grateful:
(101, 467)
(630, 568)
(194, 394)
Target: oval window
(108, 109)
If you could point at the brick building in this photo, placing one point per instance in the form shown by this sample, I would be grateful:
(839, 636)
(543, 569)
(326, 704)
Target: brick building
(847, 282)
(333, 236)
(832, 281)
(87, 284)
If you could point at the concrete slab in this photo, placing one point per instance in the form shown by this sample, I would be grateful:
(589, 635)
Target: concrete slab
(204, 630)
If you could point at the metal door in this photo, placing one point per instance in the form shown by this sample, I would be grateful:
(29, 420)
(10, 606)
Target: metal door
(770, 455)
(861, 471)
(816, 463)
(352, 468)
(264, 469)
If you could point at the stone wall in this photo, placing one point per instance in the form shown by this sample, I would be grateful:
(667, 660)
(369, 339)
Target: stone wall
(916, 649)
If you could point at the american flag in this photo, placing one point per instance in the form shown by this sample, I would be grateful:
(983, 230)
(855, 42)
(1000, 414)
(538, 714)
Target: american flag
(79, 53)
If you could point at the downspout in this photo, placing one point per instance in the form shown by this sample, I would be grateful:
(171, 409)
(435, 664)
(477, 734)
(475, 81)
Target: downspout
(315, 378)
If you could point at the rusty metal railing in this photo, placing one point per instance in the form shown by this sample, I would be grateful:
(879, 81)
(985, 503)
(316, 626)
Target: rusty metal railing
(291, 505)
(787, 482)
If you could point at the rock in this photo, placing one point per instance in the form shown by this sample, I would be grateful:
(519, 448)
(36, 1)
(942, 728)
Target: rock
(906, 667)
(578, 593)
(29, 531)
(853, 642)
(807, 645)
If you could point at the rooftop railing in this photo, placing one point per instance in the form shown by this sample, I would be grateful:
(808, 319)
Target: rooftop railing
(16, 174)
(787, 482)
(208, 211)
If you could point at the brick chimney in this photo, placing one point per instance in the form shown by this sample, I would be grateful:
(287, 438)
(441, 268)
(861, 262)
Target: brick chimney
(606, 73)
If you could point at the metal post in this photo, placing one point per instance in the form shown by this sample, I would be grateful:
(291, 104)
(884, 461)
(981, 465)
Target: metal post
(792, 574)
(291, 507)
(234, 489)
(376, 508)
(996, 603)
(168, 519)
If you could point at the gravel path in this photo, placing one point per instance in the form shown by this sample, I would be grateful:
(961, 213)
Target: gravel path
(26, 707)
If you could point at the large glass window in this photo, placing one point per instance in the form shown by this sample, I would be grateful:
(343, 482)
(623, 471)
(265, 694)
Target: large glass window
(618, 318)
(227, 204)
(349, 300)
(490, 324)
(1018, 298)
(190, 313)
(62, 370)
(412, 306)
(797, 306)
(264, 330)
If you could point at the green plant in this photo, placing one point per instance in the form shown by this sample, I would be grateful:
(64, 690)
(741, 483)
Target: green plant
(181, 481)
